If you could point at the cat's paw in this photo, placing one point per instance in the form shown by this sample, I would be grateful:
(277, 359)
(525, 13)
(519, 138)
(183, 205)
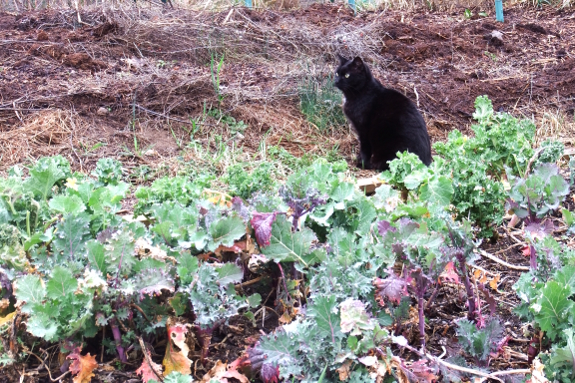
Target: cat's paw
(362, 164)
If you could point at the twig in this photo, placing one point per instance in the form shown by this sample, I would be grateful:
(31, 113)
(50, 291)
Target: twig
(508, 372)
(148, 359)
(502, 262)
(102, 349)
(47, 369)
(508, 248)
(483, 270)
(447, 364)
(135, 306)
(247, 283)
(537, 152)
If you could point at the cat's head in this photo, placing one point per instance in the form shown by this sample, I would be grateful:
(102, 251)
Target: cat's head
(351, 74)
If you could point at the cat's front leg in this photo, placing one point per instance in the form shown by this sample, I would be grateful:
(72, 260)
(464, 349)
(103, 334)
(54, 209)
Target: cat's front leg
(364, 157)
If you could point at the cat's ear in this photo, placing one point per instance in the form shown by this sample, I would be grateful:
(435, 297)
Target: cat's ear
(358, 63)
(342, 60)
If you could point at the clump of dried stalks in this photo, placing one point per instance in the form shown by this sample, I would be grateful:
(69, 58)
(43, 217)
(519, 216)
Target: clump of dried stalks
(43, 133)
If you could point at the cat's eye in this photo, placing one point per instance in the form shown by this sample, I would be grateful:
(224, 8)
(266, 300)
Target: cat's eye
(347, 75)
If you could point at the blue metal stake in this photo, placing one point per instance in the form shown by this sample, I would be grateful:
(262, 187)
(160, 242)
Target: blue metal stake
(499, 10)
(249, 3)
(352, 5)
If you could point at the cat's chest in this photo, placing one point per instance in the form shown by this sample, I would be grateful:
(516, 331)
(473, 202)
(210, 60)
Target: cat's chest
(356, 110)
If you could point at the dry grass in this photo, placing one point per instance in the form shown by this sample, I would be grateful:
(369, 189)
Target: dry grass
(220, 5)
(41, 134)
(556, 125)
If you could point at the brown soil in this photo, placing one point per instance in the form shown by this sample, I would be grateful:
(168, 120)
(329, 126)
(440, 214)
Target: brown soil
(117, 76)
(66, 87)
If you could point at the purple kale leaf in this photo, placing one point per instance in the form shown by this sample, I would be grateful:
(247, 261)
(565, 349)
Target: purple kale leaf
(262, 224)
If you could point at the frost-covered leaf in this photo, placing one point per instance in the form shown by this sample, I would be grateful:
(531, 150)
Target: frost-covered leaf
(120, 252)
(383, 227)
(478, 342)
(270, 373)
(177, 359)
(280, 350)
(82, 366)
(67, 204)
(354, 317)
(538, 229)
(42, 326)
(230, 273)
(151, 282)
(225, 231)
(262, 224)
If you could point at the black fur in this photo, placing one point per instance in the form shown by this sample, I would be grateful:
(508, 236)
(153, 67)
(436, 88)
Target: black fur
(385, 120)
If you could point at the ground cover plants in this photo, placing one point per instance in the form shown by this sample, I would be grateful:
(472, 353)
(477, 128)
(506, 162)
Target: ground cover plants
(346, 283)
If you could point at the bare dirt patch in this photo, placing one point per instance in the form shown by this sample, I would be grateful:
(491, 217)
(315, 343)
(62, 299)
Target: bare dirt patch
(145, 74)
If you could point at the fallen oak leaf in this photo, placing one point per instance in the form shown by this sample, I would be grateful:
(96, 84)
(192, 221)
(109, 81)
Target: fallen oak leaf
(495, 282)
(175, 360)
(222, 373)
(449, 274)
(82, 366)
(149, 371)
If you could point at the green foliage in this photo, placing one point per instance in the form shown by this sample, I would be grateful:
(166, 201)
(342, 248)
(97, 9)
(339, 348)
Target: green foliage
(56, 309)
(108, 171)
(77, 267)
(320, 102)
(538, 194)
(46, 173)
(479, 342)
(12, 253)
(549, 305)
(476, 164)
(211, 292)
(176, 189)
(244, 184)
(287, 246)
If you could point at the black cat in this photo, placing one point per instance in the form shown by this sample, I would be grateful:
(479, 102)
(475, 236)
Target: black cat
(385, 120)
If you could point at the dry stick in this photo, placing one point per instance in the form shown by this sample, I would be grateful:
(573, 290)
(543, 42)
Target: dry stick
(502, 262)
(508, 248)
(483, 270)
(102, 349)
(47, 369)
(449, 365)
(508, 372)
(537, 152)
(148, 359)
